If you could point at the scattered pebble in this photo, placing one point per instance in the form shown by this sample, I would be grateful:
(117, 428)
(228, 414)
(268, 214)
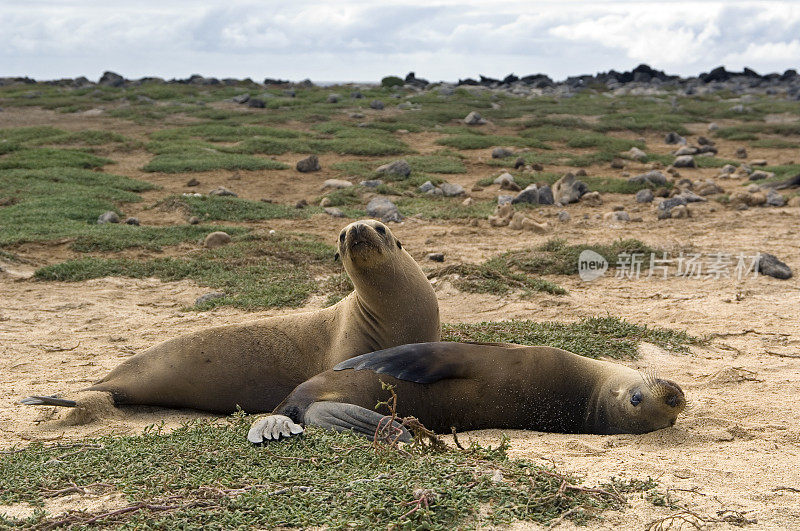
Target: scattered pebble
(474, 118)
(644, 196)
(397, 168)
(108, 217)
(685, 161)
(501, 153)
(194, 220)
(334, 212)
(452, 189)
(741, 153)
(193, 182)
(222, 191)
(336, 184)
(132, 221)
(563, 216)
(308, 164)
(217, 239)
(436, 257)
(208, 297)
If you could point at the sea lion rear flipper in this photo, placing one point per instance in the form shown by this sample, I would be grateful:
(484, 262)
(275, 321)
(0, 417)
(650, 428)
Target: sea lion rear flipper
(349, 417)
(48, 401)
(417, 362)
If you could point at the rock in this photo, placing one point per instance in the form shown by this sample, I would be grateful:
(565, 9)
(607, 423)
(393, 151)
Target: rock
(741, 153)
(769, 264)
(653, 177)
(356, 95)
(580, 173)
(336, 184)
(325, 202)
(467, 202)
(474, 118)
(426, 187)
(504, 199)
(616, 216)
(111, 79)
(436, 257)
(794, 202)
(667, 205)
(684, 161)
(301, 204)
(193, 182)
(709, 188)
(617, 164)
(563, 216)
(661, 192)
(758, 162)
(753, 188)
(501, 153)
(108, 217)
(691, 197)
(644, 196)
(568, 189)
(333, 98)
(208, 297)
(376, 104)
(398, 168)
(519, 163)
(537, 167)
(135, 221)
(592, 199)
(636, 154)
(256, 103)
(510, 186)
(504, 178)
(372, 183)
(680, 211)
(760, 174)
(222, 191)
(758, 199)
(452, 190)
(241, 98)
(194, 220)
(334, 212)
(308, 164)
(728, 168)
(713, 126)
(674, 138)
(356, 115)
(685, 150)
(775, 199)
(546, 195)
(217, 239)
(383, 209)
(528, 195)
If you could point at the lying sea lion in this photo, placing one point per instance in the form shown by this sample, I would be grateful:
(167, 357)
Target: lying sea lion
(470, 386)
(255, 365)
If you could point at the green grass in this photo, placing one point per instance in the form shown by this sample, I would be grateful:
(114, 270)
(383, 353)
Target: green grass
(556, 257)
(481, 141)
(494, 276)
(210, 477)
(206, 160)
(748, 131)
(223, 208)
(254, 272)
(39, 158)
(59, 203)
(593, 337)
(774, 143)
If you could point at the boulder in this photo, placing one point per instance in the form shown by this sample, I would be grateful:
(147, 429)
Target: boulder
(308, 164)
(685, 161)
(474, 118)
(108, 217)
(501, 153)
(398, 169)
(336, 184)
(217, 239)
(452, 189)
(528, 195)
(644, 196)
(383, 209)
(769, 264)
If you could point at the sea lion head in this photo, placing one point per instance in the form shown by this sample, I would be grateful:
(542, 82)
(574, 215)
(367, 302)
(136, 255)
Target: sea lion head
(639, 404)
(366, 244)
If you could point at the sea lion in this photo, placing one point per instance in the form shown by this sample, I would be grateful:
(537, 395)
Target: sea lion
(255, 365)
(471, 386)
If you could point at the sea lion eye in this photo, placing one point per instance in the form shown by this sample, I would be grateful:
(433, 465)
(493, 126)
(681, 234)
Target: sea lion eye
(636, 398)
(381, 229)
(341, 237)
(672, 400)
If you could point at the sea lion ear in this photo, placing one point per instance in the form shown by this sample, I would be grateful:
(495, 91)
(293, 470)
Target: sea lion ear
(399, 245)
(336, 257)
(616, 391)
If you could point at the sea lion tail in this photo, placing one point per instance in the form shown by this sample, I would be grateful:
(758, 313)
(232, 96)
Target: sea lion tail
(339, 416)
(47, 401)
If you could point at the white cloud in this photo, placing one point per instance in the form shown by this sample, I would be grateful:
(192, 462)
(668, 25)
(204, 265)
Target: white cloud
(440, 39)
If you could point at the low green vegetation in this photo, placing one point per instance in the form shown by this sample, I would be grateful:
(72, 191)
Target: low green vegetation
(557, 257)
(774, 143)
(254, 271)
(39, 158)
(225, 208)
(482, 141)
(496, 277)
(208, 159)
(212, 477)
(593, 337)
(57, 203)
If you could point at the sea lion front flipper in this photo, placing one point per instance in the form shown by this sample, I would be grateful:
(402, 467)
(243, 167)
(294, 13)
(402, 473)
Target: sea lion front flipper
(417, 362)
(272, 427)
(349, 417)
(47, 401)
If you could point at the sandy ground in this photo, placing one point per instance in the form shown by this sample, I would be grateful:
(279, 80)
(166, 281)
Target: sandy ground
(736, 449)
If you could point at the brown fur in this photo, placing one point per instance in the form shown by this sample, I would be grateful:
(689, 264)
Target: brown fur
(255, 365)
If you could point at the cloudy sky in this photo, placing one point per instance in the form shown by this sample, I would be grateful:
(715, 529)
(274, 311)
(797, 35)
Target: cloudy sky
(347, 40)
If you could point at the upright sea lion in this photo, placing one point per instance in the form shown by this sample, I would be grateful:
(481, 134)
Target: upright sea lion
(255, 365)
(472, 386)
